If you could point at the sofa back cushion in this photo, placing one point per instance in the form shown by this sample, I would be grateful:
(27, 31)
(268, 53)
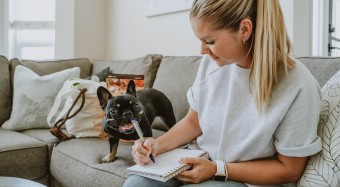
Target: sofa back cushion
(146, 66)
(48, 67)
(174, 77)
(5, 91)
(323, 68)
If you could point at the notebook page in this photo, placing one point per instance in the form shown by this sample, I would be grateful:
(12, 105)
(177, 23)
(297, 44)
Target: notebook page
(166, 164)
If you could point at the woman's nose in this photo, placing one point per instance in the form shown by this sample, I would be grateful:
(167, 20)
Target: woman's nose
(204, 48)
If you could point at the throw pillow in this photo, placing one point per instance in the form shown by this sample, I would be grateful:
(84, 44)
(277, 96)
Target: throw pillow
(5, 90)
(323, 169)
(101, 75)
(34, 96)
(146, 66)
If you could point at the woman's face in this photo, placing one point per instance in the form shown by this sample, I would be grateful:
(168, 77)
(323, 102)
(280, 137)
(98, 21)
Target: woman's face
(223, 46)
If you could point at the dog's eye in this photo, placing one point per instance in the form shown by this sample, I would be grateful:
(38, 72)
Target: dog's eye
(114, 112)
(136, 107)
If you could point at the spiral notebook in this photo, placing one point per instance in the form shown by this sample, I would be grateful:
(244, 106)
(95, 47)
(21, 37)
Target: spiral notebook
(167, 164)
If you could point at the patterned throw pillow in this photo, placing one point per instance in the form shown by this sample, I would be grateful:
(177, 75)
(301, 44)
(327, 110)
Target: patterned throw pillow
(323, 169)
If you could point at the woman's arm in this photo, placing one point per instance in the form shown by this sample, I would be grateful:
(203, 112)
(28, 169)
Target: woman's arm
(185, 131)
(280, 170)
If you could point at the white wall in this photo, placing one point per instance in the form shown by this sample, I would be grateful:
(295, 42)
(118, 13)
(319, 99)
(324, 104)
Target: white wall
(302, 27)
(81, 29)
(132, 35)
(91, 28)
(287, 6)
(64, 44)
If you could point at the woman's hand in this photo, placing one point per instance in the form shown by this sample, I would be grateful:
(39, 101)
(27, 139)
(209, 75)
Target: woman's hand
(202, 170)
(141, 151)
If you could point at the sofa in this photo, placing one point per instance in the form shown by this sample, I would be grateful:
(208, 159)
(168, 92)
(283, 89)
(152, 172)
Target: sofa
(28, 149)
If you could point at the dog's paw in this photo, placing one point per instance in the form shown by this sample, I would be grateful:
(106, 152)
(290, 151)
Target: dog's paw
(103, 135)
(108, 158)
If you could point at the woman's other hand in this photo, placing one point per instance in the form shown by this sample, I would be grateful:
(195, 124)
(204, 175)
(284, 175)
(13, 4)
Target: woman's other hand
(202, 170)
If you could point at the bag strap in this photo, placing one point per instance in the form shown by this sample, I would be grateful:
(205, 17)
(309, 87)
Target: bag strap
(67, 90)
(56, 129)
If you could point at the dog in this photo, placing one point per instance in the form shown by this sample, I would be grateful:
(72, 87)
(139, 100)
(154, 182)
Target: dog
(143, 105)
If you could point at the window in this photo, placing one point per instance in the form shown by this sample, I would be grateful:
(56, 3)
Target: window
(326, 28)
(334, 28)
(31, 29)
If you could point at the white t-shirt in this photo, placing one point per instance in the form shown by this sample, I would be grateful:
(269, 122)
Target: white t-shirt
(233, 130)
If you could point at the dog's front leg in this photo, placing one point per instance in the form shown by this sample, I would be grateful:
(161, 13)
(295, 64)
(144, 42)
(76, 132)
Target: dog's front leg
(146, 127)
(113, 150)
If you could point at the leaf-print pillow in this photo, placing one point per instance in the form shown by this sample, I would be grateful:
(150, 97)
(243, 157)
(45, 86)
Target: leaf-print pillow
(323, 169)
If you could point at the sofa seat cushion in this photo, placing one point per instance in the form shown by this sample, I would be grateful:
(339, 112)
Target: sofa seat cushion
(81, 159)
(5, 90)
(22, 156)
(43, 135)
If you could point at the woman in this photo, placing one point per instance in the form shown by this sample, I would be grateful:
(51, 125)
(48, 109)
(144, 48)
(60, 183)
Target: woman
(253, 107)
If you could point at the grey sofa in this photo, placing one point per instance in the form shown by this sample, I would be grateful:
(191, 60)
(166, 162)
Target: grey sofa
(34, 153)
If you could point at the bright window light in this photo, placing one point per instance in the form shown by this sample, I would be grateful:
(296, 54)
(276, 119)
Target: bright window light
(32, 33)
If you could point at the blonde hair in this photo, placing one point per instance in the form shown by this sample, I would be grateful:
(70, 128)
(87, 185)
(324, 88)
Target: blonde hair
(270, 45)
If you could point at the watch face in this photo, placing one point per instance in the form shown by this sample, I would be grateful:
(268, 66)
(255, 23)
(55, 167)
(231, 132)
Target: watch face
(219, 178)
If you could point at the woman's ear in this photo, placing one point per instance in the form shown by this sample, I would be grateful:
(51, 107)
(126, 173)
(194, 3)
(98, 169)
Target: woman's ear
(246, 29)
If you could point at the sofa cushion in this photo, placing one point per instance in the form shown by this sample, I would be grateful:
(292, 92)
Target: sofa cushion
(146, 66)
(81, 159)
(175, 76)
(34, 96)
(45, 136)
(323, 68)
(22, 156)
(323, 168)
(5, 91)
(47, 67)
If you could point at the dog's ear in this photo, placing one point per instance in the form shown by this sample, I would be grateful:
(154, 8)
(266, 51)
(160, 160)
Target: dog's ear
(131, 88)
(104, 96)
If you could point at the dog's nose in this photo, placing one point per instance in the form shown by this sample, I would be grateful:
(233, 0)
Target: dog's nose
(127, 113)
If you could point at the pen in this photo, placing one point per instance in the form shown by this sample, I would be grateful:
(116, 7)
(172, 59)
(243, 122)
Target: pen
(140, 134)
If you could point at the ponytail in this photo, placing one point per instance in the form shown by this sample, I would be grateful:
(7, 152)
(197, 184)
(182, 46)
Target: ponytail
(271, 51)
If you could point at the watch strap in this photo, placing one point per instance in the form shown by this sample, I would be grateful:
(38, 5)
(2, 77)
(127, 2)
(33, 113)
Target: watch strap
(220, 168)
(221, 171)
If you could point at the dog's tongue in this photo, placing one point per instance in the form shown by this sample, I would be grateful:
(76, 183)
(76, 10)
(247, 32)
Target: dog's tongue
(126, 127)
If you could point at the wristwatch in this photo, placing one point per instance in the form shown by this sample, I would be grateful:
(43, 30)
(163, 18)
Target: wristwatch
(221, 173)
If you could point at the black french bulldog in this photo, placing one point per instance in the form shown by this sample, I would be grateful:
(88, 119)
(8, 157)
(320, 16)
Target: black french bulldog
(143, 105)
